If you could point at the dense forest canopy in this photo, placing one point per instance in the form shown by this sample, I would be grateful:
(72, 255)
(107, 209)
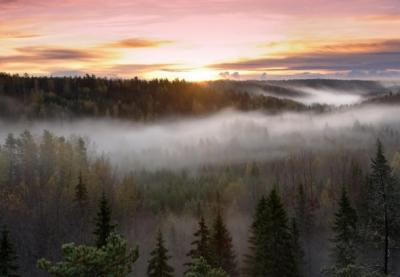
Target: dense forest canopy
(90, 96)
(271, 187)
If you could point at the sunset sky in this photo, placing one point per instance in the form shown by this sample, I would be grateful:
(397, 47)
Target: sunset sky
(203, 39)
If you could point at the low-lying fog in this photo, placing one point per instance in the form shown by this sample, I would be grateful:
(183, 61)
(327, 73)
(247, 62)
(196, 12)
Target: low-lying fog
(328, 97)
(228, 136)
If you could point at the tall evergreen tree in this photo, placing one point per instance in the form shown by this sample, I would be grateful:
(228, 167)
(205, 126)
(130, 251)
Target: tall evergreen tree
(250, 262)
(276, 242)
(103, 222)
(382, 205)
(345, 239)
(345, 230)
(221, 243)
(8, 258)
(201, 244)
(158, 263)
(81, 194)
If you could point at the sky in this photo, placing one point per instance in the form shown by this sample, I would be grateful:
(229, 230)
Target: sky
(203, 39)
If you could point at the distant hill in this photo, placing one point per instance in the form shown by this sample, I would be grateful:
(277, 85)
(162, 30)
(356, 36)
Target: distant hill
(26, 97)
(387, 99)
(293, 88)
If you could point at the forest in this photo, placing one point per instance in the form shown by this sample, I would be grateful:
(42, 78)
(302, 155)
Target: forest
(27, 97)
(323, 202)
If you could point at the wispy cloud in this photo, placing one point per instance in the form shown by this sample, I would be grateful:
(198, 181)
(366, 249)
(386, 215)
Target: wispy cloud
(36, 54)
(137, 43)
(17, 35)
(381, 55)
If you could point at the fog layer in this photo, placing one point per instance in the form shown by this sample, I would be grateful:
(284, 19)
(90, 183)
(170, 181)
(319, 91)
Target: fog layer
(228, 136)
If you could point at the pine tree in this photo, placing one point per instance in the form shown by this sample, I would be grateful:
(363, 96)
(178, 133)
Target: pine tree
(158, 263)
(221, 243)
(112, 259)
(200, 268)
(345, 239)
(8, 258)
(81, 194)
(103, 222)
(201, 244)
(250, 262)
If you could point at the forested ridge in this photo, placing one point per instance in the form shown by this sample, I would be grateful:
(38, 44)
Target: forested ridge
(255, 219)
(27, 97)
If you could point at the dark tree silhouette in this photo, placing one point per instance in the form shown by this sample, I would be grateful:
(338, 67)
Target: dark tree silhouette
(103, 222)
(8, 258)
(158, 263)
(221, 243)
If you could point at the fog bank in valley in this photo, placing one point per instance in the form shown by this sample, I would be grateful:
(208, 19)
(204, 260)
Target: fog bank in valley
(228, 136)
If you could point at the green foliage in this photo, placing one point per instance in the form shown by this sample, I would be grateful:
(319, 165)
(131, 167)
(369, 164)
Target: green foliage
(81, 194)
(221, 243)
(52, 97)
(113, 259)
(381, 224)
(345, 240)
(201, 244)
(346, 233)
(200, 268)
(103, 222)
(8, 258)
(250, 261)
(274, 254)
(350, 270)
(158, 263)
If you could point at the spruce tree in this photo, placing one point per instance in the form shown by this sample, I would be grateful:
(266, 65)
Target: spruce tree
(276, 247)
(201, 244)
(221, 243)
(345, 230)
(250, 258)
(81, 194)
(103, 222)
(158, 263)
(345, 239)
(382, 205)
(8, 258)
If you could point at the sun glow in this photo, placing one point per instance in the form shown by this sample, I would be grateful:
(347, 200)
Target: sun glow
(198, 74)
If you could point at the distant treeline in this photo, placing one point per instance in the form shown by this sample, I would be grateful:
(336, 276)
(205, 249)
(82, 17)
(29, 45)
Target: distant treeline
(134, 99)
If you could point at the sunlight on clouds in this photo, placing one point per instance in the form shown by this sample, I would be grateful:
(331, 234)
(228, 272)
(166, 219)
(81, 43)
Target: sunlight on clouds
(148, 37)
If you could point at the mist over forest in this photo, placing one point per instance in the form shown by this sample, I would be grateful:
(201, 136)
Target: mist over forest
(221, 163)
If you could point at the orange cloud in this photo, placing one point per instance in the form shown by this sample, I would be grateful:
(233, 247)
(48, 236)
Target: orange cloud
(373, 55)
(16, 35)
(137, 43)
(44, 54)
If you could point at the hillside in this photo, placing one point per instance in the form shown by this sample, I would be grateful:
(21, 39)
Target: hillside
(133, 99)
